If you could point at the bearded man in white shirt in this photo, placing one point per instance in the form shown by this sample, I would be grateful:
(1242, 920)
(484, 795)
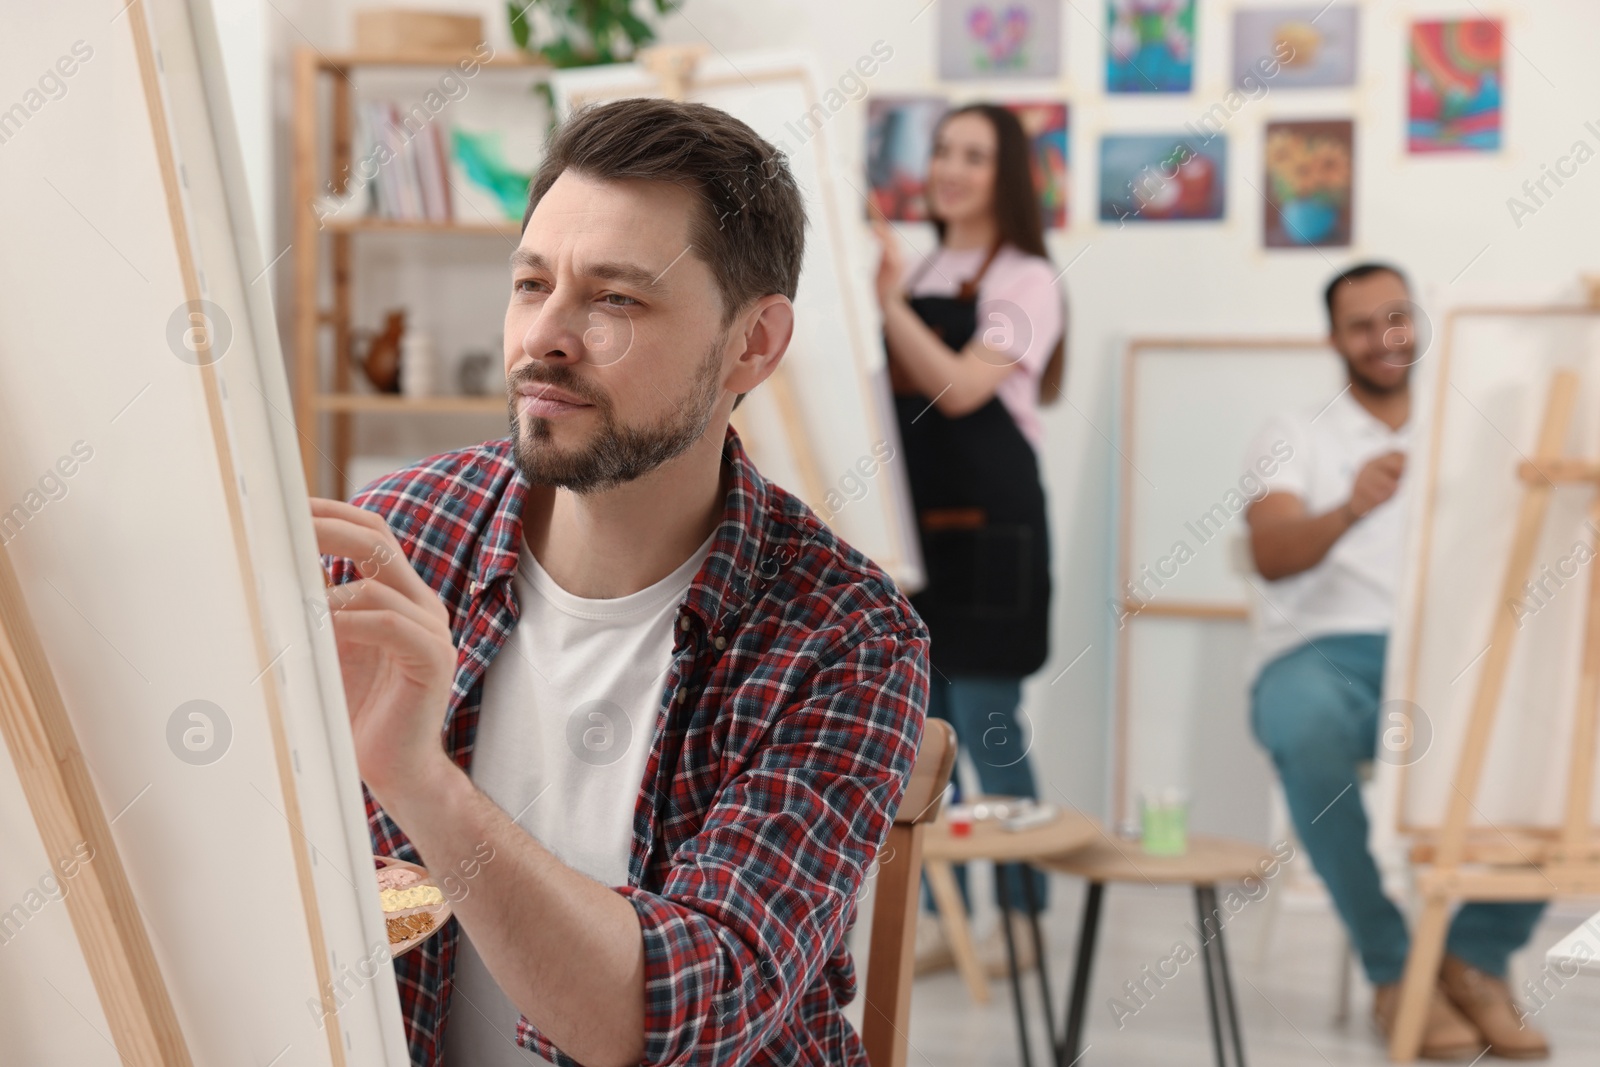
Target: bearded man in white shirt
(1327, 536)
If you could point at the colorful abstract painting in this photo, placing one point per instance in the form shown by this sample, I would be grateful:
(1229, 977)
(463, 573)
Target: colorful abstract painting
(1307, 47)
(1455, 86)
(1162, 177)
(1310, 170)
(1151, 47)
(1045, 123)
(899, 145)
(999, 39)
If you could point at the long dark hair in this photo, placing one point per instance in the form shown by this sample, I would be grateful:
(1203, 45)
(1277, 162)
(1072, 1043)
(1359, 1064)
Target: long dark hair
(1016, 214)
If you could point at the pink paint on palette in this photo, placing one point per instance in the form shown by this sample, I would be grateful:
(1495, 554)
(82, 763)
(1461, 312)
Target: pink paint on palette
(397, 878)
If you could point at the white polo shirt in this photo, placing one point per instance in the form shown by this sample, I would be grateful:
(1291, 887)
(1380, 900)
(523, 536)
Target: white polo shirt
(1353, 589)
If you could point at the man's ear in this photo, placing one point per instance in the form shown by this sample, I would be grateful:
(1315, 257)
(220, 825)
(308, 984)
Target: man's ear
(759, 338)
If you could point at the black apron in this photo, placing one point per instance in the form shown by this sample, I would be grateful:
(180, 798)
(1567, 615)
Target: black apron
(980, 518)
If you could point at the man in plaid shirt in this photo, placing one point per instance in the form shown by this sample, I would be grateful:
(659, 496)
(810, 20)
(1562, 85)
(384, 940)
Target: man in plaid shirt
(655, 802)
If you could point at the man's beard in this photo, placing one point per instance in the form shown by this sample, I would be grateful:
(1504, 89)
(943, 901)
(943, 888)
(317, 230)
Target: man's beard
(1373, 386)
(618, 453)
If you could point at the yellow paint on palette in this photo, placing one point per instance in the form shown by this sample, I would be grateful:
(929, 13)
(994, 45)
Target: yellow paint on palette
(417, 896)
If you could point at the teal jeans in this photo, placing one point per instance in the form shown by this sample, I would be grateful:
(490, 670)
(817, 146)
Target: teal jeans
(1315, 710)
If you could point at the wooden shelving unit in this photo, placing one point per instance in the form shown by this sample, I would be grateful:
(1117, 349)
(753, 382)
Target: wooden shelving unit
(329, 400)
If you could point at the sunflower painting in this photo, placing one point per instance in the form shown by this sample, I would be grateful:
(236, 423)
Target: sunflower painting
(1309, 168)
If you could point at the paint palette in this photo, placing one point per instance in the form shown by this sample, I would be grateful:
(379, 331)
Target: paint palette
(413, 907)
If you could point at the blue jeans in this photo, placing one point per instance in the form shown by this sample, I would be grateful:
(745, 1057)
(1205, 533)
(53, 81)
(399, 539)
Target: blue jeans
(1315, 710)
(983, 710)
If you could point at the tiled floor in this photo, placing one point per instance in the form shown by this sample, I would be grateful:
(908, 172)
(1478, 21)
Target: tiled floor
(1286, 994)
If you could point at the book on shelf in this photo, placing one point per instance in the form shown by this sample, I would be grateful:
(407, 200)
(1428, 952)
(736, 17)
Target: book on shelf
(412, 160)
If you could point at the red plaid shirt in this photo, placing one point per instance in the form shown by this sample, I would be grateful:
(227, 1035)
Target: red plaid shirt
(785, 734)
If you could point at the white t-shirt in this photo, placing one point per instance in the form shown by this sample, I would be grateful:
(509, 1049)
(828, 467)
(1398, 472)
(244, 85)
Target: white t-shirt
(564, 732)
(1019, 313)
(1352, 589)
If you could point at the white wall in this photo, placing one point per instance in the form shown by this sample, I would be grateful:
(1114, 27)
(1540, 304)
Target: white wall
(1444, 219)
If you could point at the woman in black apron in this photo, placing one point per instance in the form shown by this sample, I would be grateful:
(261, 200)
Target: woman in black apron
(974, 475)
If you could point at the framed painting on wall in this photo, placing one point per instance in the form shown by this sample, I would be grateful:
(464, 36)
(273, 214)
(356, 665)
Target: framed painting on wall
(1314, 47)
(999, 39)
(1308, 184)
(1150, 46)
(1454, 88)
(1045, 123)
(1162, 178)
(899, 145)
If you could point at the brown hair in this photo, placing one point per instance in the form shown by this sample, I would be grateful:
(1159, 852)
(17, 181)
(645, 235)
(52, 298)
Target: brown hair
(750, 229)
(1016, 215)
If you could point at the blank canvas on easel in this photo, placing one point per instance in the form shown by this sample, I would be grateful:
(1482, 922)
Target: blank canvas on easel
(1181, 698)
(157, 520)
(1489, 393)
(825, 418)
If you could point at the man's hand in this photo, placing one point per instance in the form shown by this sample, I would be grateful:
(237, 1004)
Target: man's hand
(395, 650)
(1286, 540)
(1376, 482)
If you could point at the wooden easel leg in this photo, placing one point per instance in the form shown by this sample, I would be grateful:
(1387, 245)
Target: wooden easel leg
(957, 931)
(1421, 976)
(1576, 828)
(1427, 942)
(55, 779)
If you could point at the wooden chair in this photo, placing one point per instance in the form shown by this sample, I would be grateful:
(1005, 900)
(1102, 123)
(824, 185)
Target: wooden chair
(894, 913)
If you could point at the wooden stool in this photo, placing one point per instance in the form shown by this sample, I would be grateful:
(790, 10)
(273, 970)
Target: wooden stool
(1209, 861)
(1015, 849)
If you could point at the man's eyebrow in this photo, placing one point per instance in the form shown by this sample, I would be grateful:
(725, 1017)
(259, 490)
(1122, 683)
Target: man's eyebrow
(630, 274)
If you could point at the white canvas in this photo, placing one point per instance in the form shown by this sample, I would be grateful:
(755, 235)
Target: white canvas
(835, 367)
(1490, 398)
(174, 564)
(1182, 692)
(1182, 459)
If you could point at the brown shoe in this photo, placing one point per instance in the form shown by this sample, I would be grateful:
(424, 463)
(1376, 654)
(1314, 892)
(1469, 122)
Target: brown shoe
(1487, 1003)
(1446, 1036)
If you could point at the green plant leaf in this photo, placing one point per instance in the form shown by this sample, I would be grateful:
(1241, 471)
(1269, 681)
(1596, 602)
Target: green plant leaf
(638, 30)
(584, 32)
(517, 13)
(562, 53)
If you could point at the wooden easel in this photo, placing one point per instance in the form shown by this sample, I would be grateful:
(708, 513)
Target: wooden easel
(673, 66)
(43, 745)
(55, 778)
(1527, 865)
